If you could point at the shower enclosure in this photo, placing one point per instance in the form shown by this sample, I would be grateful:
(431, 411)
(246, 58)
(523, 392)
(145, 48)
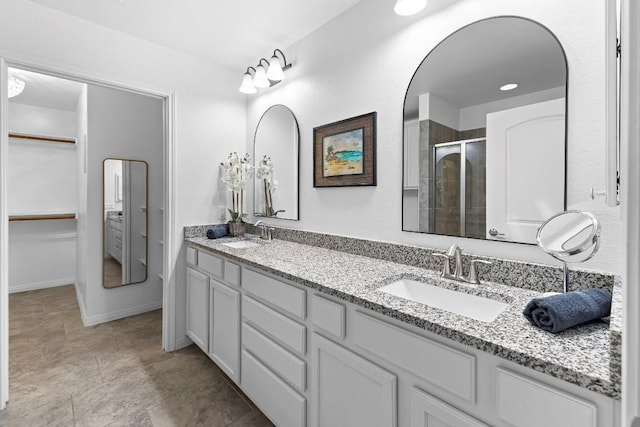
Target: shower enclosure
(458, 188)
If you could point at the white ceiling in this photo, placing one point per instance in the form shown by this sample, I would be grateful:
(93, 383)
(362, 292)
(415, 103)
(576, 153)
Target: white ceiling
(235, 33)
(46, 91)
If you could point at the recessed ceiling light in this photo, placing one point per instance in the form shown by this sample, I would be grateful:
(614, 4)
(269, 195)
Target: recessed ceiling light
(509, 86)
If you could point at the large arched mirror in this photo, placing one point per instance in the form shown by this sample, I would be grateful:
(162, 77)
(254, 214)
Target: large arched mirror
(124, 260)
(485, 133)
(275, 153)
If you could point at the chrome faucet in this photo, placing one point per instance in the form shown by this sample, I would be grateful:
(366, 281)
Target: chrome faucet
(455, 253)
(262, 227)
(265, 230)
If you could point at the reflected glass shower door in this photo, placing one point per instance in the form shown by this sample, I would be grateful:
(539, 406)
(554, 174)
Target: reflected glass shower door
(458, 203)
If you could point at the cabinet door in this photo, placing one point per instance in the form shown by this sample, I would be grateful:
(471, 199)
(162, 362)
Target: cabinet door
(427, 411)
(350, 391)
(198, 308)
(224, 328)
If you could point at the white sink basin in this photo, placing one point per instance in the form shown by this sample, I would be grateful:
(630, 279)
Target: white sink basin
(241, 244)
(473, 306)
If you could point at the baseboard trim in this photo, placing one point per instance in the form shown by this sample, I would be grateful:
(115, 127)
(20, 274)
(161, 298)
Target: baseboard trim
(41, 285)
(182, 343)
(119, 314)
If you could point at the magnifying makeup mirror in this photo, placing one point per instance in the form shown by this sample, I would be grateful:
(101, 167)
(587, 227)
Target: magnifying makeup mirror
(571, 236)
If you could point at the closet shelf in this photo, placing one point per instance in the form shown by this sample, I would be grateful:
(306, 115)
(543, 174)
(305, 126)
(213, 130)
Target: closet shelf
(43, 217)
(143, 234)
(41, 138)
(143, 261)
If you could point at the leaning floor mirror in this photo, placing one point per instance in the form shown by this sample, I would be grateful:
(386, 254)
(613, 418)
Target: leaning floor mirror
(124, 222)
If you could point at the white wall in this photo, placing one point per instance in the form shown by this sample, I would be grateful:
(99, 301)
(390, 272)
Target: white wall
(209, 110)
(41, 180)
(350, 67)
(475, 117)
(431, 107)
(36, 120)
(122, 125)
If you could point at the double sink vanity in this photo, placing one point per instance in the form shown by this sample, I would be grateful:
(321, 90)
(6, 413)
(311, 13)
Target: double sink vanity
(318, 334)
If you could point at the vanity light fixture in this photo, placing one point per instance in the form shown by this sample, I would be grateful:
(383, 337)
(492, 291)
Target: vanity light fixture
(260, 78)
(247, 82)
(508, 86)
(265, 74)
(409, 7)
(16, 86)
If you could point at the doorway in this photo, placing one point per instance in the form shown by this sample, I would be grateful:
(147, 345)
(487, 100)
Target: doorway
(105, 94)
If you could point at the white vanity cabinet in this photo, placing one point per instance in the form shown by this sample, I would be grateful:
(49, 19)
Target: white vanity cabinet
(427, 411)
(274, 347)
(213, 309)
(349, 390)
(224, 328)
(198, 308)
(308, 358)
(113, 237)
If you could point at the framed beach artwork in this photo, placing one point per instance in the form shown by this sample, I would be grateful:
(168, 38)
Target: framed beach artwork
(344, 153)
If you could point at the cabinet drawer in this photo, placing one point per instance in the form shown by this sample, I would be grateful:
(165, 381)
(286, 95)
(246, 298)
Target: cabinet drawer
(210, 264)
(192, 256)
(232, 273)
(286, 297)
(275, 357)
(286, 331)
(524, 402)
(273, 396)
(328, 316)
(445, 367)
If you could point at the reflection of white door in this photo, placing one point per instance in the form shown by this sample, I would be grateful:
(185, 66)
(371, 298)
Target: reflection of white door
(525, 169)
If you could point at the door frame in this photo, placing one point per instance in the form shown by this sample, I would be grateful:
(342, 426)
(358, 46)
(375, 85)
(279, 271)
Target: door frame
(630, 200)
(169, 114)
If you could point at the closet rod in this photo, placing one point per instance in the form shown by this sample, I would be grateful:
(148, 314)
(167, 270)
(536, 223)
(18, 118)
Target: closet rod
(42, 138)
(41, 217)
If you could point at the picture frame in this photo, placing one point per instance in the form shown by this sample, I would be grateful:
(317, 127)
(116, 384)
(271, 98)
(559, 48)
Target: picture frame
(344, 152)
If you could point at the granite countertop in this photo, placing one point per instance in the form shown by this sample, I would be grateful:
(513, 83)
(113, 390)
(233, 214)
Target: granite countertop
(588, 355)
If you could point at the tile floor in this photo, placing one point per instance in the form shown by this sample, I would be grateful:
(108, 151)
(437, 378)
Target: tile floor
(113, 374)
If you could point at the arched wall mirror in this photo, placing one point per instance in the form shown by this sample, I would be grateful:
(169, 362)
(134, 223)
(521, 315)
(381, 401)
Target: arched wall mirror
(125, 222)
(483, 159)
(275, 154)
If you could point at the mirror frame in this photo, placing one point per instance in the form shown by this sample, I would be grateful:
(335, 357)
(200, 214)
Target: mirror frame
(146, 225)
(297, 159)
(591, 243)
(566, 126)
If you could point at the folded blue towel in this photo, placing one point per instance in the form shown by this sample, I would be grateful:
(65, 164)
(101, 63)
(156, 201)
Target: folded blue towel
(218, 231)
(559, 312)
